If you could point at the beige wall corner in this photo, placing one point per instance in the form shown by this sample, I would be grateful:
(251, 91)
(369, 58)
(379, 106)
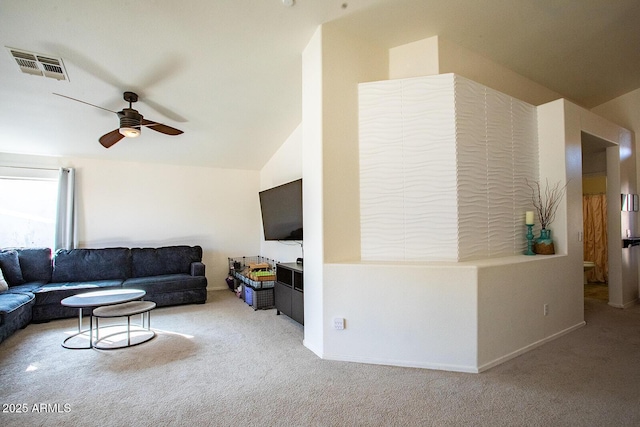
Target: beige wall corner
(436, 55)
(416, 59)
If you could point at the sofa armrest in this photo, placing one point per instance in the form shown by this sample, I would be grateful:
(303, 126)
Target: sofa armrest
(197, 269)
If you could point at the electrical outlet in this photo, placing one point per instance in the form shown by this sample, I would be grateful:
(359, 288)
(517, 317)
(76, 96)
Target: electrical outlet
(338, 323)
(546, 309)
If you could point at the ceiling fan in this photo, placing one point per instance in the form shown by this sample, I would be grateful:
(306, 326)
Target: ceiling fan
(131, 122)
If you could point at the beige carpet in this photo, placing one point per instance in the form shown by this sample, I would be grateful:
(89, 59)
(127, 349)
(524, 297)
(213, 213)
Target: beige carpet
(222, 364)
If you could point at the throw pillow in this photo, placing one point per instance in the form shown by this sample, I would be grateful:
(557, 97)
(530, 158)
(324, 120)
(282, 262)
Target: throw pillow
(3, 283)
(10, 266)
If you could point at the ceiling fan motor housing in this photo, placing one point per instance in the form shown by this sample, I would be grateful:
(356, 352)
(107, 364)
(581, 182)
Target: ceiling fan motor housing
(130, 121)
(130, 118)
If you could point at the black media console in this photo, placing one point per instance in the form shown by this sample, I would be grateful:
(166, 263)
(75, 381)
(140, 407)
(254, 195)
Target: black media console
(289, 291)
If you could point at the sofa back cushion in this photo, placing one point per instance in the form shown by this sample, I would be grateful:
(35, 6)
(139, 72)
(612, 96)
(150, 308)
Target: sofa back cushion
(165, 260)
(85, 265)
(36, 264)
(3, 283)
(10, 266)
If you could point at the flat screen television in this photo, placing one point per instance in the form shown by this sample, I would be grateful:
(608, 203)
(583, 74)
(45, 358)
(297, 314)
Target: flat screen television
(281, 208)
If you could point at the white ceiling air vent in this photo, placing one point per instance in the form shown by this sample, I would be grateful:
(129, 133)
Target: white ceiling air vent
(39, 65)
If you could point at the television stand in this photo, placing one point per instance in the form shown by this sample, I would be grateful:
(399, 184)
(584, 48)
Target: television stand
(289, 291)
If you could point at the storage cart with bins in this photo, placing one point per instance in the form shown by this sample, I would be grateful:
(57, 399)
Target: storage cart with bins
(256, 275)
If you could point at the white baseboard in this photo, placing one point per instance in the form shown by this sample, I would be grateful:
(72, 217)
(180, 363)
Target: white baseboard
(444, 366)
(529, 347)
(316, 351)
(400, 363)
(625, 305)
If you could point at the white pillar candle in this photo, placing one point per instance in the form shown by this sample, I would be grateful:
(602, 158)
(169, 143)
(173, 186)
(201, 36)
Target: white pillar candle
(529, 218)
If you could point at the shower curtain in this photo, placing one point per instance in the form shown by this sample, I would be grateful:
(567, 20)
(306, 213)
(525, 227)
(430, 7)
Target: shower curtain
(594, 214)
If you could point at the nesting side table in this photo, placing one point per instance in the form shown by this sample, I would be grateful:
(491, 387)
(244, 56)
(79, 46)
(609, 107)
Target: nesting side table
(115, 339)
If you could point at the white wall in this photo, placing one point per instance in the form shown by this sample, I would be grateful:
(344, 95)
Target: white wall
(511, 299)
(419, 315)
(347, 61)
(312, 193)
(333, 65)
(466, 317)
(624, 111)
(284, 166)
(143, 204)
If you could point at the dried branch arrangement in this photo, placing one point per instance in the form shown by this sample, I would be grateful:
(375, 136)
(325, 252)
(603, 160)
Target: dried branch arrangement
(546, 202)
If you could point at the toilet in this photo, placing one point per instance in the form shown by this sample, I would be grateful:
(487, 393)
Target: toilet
(588, 266)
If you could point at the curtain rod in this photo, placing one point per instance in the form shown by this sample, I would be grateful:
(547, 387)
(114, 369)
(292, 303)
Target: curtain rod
(32, 168)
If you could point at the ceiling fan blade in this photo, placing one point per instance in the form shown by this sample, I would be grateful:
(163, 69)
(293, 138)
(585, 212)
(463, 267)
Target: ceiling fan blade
(171, 115)
(97, 106)
(108, 139)
(159, 127)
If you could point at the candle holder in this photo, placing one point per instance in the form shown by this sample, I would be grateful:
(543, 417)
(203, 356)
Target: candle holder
(529, 250)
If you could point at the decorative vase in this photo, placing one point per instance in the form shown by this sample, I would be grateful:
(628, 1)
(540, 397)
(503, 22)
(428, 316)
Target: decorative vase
(544, 243)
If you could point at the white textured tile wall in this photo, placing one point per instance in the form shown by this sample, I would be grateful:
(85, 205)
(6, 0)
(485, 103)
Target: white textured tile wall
(407, 170)
(381, 172)
(525, 165)
(472, 169)
(443, 162)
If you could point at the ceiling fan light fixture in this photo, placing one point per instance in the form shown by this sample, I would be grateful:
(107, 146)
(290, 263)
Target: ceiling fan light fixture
(129, 132)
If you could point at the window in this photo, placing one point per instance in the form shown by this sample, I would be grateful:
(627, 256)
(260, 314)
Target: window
(28, 207)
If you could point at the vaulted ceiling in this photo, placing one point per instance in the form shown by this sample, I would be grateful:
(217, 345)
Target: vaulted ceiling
(228, 72)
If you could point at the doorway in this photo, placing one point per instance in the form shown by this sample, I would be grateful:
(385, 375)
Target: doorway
(594, 217)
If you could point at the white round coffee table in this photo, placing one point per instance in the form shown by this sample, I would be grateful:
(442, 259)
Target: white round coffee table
(92, 300)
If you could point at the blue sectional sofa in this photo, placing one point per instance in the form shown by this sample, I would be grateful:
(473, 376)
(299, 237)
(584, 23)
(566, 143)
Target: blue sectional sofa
(37, 281)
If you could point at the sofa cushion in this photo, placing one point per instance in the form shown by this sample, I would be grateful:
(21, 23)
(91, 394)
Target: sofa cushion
(185, 296)
(53, 293)
(19, 316)
(11, 267)
(166, 260)
(166, 283)
(35, 264)
(12, 301)
(86, 265)
(29, 287)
